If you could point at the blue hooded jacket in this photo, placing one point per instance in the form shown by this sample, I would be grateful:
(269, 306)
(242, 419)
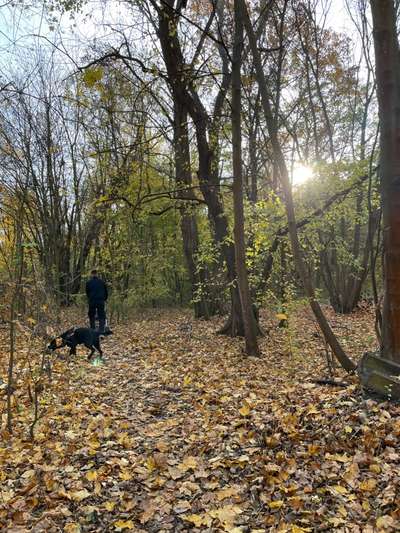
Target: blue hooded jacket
(96, 290)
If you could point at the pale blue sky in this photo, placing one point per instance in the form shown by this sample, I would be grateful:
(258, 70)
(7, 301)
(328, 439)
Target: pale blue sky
(20, 30)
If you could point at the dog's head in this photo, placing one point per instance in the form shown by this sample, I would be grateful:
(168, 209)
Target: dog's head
(56, 343)
(61, 341)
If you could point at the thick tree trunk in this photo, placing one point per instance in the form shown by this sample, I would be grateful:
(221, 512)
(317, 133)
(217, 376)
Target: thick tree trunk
(250, 327)
(290, 212)
(234, 325)
(388, 87)
(189, 230)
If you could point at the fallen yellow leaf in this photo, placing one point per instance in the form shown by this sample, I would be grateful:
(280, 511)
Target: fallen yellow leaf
(79, 495)
(150, 464)
(226, 515)
(341, 458)
(368, 485)
(189, 463)
(198, 520)
(125, 475)
(366, 506)
(385, 522)
(375, 468)
(123, 524)
(195, 519)
(227, 493)
(109, 506)
(91, 475)
(72, 527)
(245, 409)
(340, 489)
(276, 504)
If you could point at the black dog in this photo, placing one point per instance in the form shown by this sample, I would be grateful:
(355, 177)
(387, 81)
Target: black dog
(72, 337)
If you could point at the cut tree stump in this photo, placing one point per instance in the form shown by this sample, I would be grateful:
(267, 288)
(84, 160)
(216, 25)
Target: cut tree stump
(379, 375)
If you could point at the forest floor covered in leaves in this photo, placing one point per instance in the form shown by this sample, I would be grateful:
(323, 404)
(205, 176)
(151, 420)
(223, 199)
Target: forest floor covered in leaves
(179, 431)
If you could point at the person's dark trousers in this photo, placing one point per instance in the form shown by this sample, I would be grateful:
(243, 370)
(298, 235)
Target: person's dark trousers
(97, 307)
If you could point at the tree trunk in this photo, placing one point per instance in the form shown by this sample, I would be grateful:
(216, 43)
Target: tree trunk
(250, 327)
(388, 87)
(189, 228)
(252, 177)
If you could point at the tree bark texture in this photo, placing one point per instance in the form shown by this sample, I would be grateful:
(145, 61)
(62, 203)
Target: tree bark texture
(388, 88)
(189, 228)
(250, 327)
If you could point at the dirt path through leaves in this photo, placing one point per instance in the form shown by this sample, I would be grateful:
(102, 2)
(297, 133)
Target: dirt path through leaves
(179, 432)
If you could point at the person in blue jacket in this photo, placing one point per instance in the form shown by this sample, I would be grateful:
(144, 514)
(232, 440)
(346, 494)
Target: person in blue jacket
(97, 294)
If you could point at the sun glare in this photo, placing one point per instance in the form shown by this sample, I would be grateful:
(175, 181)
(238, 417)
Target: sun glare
(301, 173)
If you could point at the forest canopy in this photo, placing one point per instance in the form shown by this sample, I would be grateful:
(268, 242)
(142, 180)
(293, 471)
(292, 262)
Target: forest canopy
(117, 148)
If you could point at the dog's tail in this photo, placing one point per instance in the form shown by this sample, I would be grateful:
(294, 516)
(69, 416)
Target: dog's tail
(106, 333)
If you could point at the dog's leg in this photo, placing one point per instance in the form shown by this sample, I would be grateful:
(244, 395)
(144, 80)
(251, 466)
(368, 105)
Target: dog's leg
(91, 348)
(96, 344)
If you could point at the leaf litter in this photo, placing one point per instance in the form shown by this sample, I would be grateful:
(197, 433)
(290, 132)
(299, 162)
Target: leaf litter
(178, 431)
